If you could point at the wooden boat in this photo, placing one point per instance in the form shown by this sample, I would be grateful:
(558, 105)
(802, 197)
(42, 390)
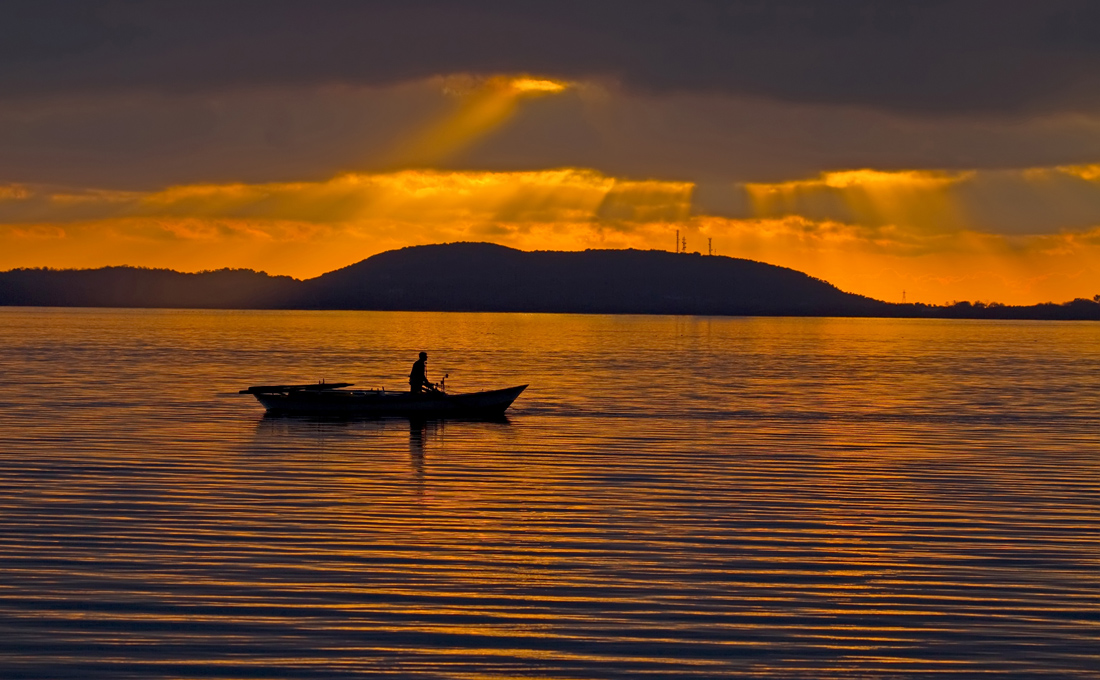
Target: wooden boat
(332, 399)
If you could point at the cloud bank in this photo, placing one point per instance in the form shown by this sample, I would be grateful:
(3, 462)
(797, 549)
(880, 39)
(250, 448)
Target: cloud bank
(927, 58)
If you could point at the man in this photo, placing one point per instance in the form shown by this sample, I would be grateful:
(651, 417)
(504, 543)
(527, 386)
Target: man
(417, 378)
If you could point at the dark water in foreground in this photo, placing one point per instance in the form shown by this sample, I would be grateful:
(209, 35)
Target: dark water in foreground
(671, 498)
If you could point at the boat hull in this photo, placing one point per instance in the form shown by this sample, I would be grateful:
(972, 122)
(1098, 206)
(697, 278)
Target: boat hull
(379, 404)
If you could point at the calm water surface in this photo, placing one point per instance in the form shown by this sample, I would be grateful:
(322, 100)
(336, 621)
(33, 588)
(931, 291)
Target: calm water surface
(673, 497)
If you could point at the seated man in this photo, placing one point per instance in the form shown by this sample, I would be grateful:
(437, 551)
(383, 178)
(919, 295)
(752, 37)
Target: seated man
(417, 378)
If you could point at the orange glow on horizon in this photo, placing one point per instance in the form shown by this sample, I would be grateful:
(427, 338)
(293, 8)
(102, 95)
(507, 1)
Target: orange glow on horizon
(304, 229)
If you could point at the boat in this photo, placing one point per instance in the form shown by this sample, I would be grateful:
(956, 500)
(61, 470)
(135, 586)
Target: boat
(333, 400)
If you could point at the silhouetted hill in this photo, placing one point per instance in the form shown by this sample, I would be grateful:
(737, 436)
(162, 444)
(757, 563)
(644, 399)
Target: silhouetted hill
(139, 287)
(486, 277)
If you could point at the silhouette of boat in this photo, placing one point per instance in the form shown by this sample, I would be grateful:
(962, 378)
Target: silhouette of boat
(332, 399)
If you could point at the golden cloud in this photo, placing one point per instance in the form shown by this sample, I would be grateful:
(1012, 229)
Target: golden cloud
(413, 196)
(1090, 173)
(527, 85)
(1030, 201)
(871, 198)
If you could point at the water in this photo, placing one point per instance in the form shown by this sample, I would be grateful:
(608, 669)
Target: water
(671, 498)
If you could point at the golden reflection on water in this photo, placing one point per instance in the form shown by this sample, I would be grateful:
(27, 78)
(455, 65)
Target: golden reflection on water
(672, 497)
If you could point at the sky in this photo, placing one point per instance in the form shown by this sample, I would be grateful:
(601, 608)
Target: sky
(936, 150)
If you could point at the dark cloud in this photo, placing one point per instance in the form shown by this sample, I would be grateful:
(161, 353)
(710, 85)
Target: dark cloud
(149, 141)
(918, 57)
(708, 138)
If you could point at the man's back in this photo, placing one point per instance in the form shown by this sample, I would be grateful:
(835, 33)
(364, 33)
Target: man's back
(418, 376)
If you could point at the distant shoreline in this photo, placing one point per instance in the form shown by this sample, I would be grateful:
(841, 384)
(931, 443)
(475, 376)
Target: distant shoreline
(482, 277)
(1025, 313)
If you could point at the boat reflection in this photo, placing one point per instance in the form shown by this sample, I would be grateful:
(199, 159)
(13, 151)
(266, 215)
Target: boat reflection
(419, 431)
(356, 436)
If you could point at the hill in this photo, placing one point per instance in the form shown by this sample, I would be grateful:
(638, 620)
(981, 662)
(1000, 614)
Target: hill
(492, 278)
(486, 277)
(139, 287)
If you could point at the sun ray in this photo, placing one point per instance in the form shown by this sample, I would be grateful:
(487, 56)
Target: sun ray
(479, 112)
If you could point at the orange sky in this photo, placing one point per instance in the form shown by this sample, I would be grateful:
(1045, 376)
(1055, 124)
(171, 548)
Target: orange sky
(1015, 236)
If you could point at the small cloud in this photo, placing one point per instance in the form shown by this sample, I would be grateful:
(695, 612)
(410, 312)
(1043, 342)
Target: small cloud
(41, 232)
(14, 192)
(527, 85)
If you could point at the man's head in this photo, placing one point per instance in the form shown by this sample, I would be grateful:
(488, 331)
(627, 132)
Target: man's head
(424, 355)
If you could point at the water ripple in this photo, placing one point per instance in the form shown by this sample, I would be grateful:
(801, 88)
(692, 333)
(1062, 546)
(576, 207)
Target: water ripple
(672, 498)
